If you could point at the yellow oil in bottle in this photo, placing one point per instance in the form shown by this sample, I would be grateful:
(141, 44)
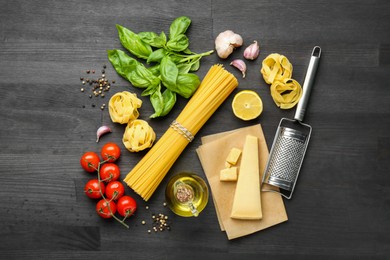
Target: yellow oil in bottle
(186, 194)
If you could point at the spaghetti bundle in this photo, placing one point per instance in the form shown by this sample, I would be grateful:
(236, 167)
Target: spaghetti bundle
(145, 177)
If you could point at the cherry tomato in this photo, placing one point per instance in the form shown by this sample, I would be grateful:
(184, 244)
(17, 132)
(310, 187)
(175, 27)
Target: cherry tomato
(110, 152)
(109, 172)
(114, 190)
(106, 209)
(92, 189)
(90, 161)
(126, 206)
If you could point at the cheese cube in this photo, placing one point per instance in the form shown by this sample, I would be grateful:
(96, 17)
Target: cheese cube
(228, 174)
(233, 156)
(247, 201)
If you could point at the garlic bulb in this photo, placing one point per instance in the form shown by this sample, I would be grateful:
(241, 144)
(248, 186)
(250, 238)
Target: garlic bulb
(226, 42)
(252, 51)
(239, 64)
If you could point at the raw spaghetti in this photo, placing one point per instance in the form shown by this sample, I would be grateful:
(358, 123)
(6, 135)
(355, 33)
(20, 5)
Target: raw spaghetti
(145, 177)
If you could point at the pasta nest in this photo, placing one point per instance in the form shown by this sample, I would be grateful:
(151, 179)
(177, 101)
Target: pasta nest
(138, 135)
(123, 107)
(286, 93)
(277, 71)
(276, 67)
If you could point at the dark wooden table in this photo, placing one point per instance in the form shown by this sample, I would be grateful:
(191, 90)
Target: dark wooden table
(341, 206)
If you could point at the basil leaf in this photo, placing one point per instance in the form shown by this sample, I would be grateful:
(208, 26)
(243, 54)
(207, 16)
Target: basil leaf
(153, 39)
(178, 43)
(175, 58)
(195, 66)
(149, 91)
(187, 84)
(157, 101)
(156, 56)
(122, 63)
(169, 98)
(143, 78)
(133, 43)
(184, 67)
(155, 70)
(179, 26)
(163, 37)
(169, 72)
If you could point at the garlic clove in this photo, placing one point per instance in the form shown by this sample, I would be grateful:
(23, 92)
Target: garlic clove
(226, 42)
(252, 51)
(239, 64)
(101, 131)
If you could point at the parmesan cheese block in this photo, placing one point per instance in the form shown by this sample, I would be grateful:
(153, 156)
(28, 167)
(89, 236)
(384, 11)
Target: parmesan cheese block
(228, 174)
(247, 201)
(233, 156)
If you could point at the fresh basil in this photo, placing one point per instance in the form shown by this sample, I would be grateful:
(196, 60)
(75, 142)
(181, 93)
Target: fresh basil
(178, 43)
(153, 39)
(156, 56)
(133, 43)
(157, 101)
(169, 98)
(187, 84)
(184, 67)
(172, 61)
(122, 63)
(195, 65)
(169, 72)
(179, 26)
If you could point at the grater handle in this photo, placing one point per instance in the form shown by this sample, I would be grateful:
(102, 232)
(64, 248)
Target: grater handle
(308, 83)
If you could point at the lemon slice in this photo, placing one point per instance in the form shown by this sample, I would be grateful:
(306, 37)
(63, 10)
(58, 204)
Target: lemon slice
(247, 105)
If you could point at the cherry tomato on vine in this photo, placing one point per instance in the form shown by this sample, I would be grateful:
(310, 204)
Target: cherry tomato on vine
(126, 206)
(90, 161)
(114, 190)
(109, 172)
(106, 209)
(110, 152)
(92, 189)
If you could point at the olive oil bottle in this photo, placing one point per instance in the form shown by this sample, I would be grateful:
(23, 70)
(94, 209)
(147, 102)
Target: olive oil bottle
(186, 194)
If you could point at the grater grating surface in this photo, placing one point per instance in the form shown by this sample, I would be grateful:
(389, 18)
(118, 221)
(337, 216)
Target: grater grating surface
(287, 157)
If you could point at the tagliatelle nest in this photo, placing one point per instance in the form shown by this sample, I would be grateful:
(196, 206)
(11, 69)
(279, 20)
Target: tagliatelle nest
(138, 136)
(286, 93)
(276, 67)
(123, 107)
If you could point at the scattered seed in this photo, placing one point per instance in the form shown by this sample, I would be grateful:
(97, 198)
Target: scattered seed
(143, 222)
(147, 207)
(82, 89)
(164, 204)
